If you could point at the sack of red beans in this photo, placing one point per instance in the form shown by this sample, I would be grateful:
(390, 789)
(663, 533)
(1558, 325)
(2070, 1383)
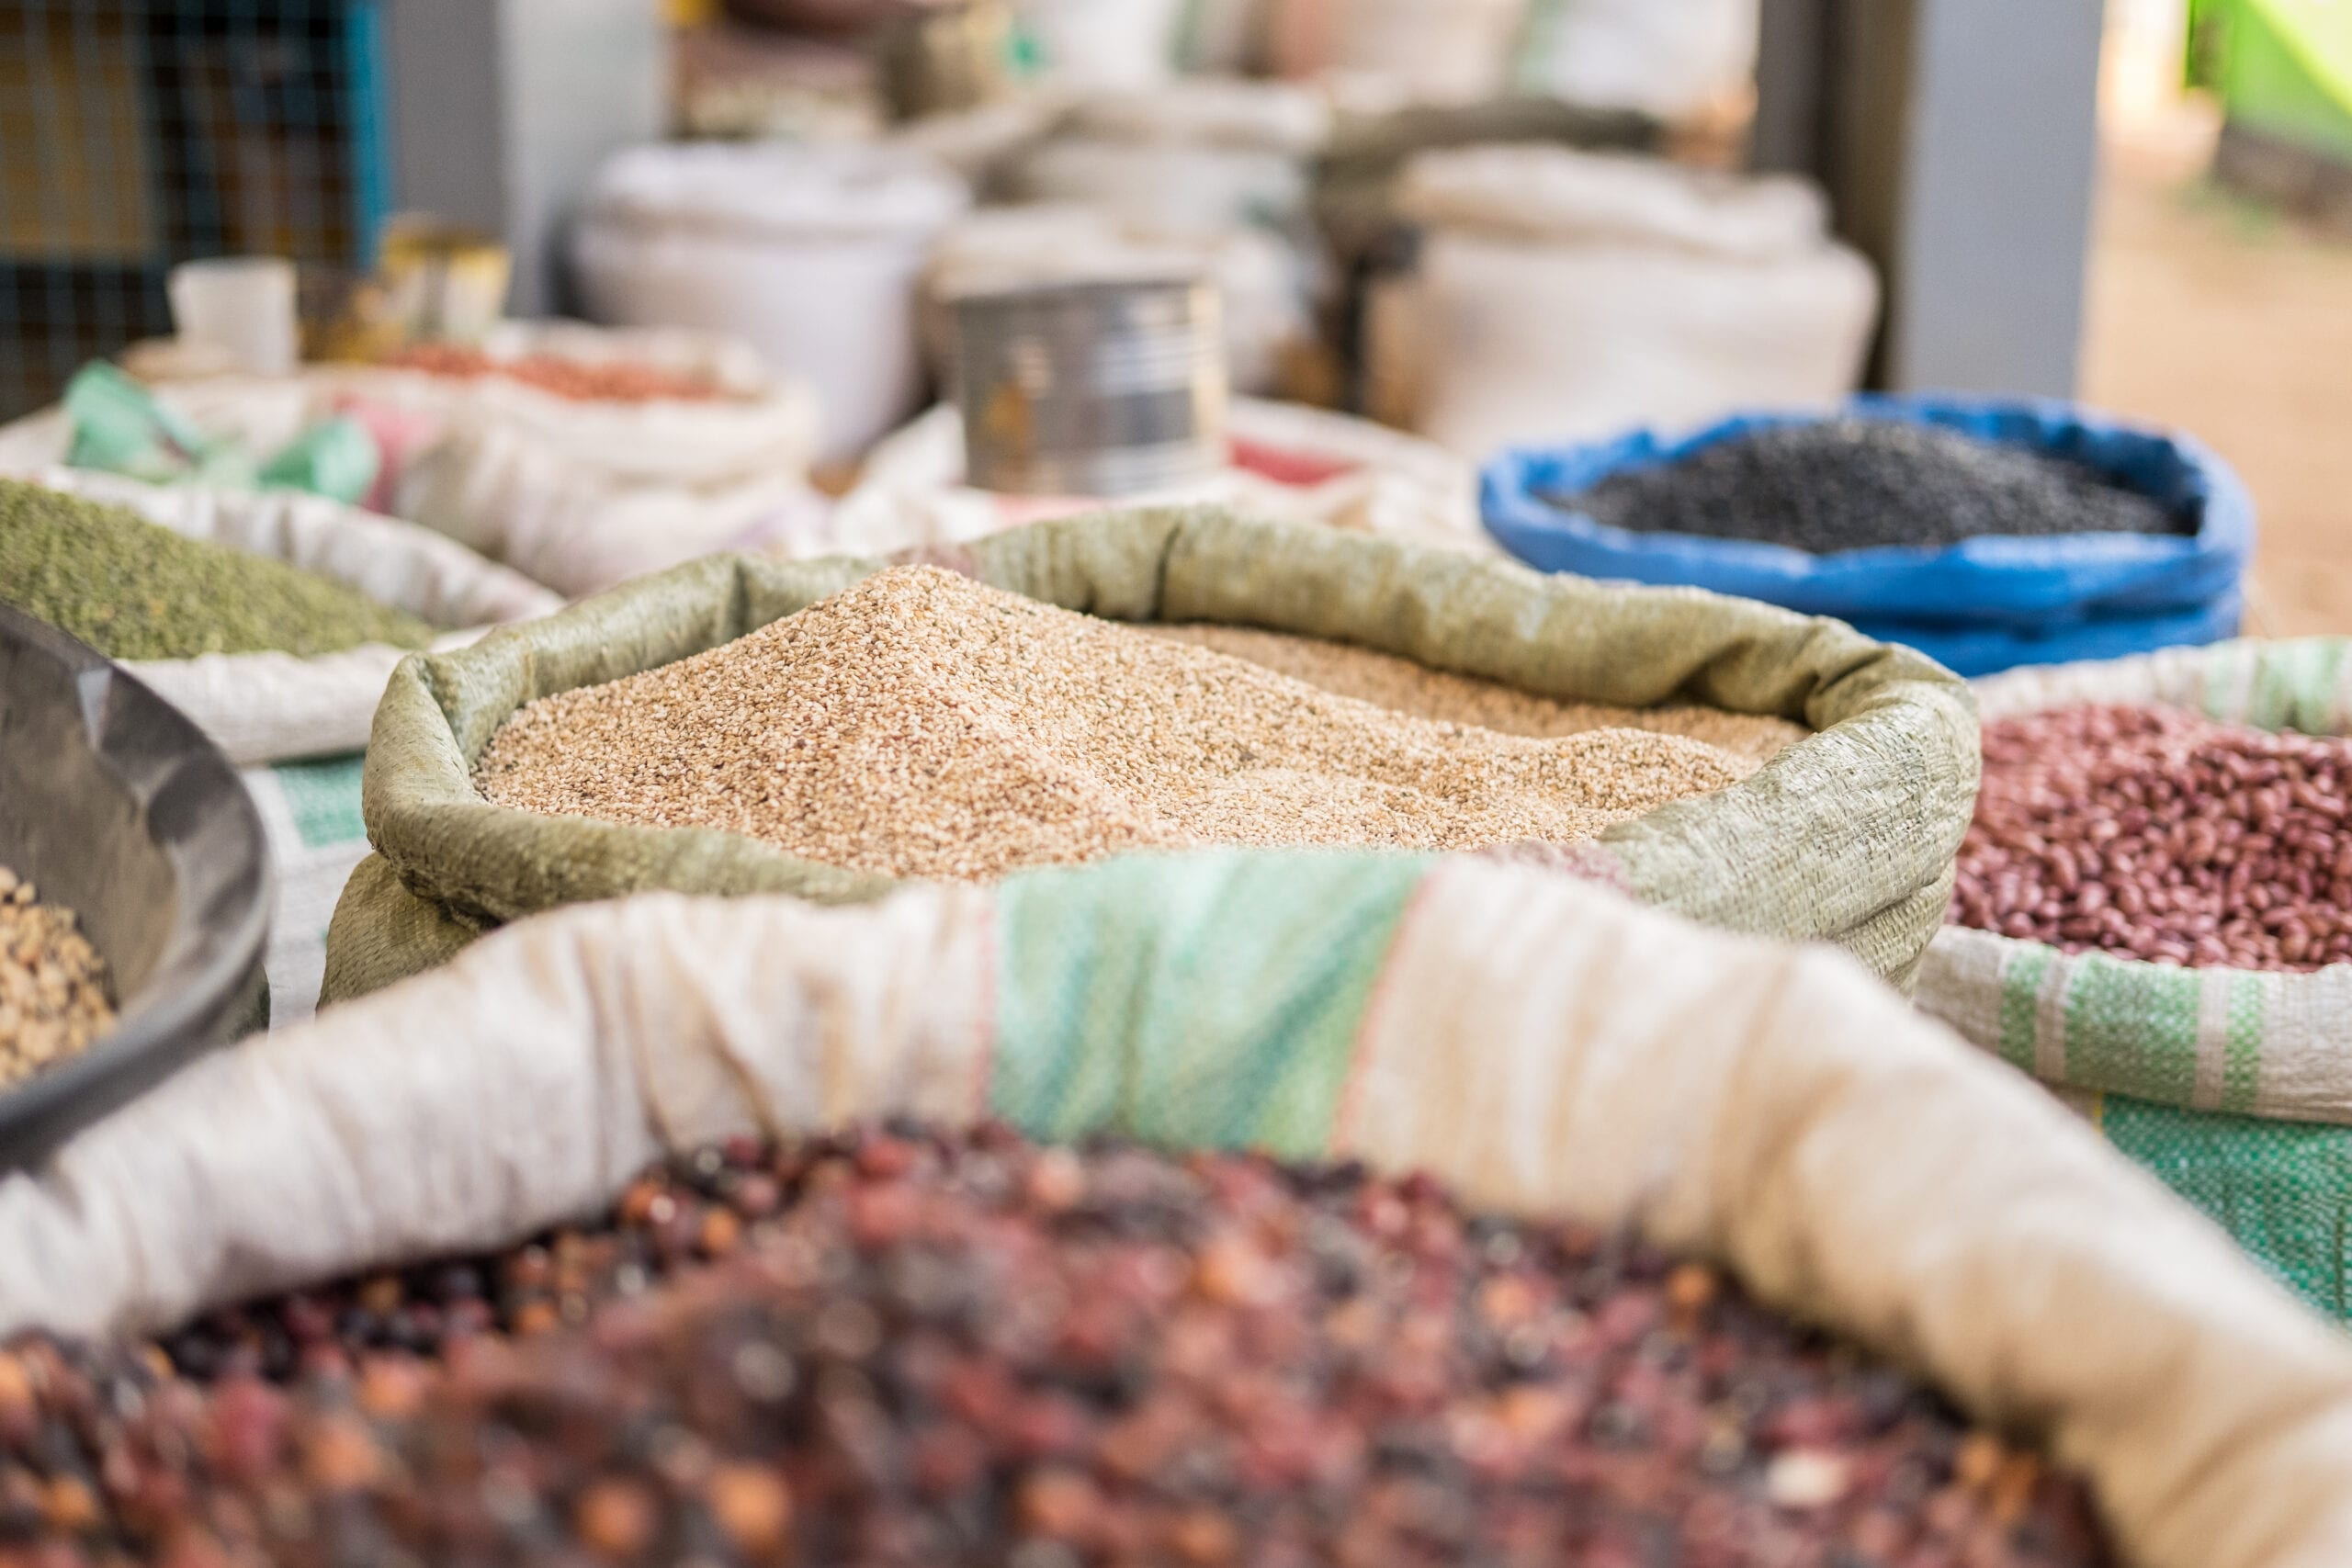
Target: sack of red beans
(1545, 1183)
(1987, 534)
(2154, 911)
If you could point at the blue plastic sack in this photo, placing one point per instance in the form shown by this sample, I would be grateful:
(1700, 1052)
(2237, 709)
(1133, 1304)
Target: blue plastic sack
(1987, 651)
(2031, 584)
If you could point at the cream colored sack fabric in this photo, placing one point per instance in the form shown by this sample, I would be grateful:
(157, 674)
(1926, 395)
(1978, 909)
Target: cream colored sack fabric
(1342, 472)
(1562, 295)
(269, 708)
(1540, 1043)
(260, 413)
(581, 493)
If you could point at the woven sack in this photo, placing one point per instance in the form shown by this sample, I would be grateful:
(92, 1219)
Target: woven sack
(1543, 1046)
(261, 414)
(1674, 59)
(1286, 462)
(581, 493)
(1849, 836)
(294, 727)
(1560, 295)
(576, 493)
(2234, 1085)
(1449, 51)
(1983, 605)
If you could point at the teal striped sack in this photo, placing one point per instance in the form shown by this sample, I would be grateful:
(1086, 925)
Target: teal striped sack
(2234, 1085)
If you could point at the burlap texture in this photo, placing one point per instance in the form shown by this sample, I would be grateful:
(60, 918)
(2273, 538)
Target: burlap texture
(1848, 836)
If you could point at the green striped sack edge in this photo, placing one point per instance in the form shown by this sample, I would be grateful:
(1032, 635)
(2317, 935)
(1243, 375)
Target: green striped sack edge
(2277, 1046)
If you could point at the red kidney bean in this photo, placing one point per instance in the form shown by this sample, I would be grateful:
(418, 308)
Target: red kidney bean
(2155, 834)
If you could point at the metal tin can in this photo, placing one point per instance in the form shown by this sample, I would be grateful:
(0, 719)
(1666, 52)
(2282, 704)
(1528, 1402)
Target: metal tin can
(1095, 388)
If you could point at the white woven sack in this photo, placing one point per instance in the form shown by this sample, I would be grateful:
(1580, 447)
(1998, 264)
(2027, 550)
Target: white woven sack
(1101, 43)
(2275, 1047)
(1264, 285)
(1672, 59)
(1222, 35)
(1551, 193)
(808, 253)
(1403, 50)
(261, 414)
(576, 493)
(584, 493)
(1211, 111)
(1562, 296)
(289, 724)
(757, 424)
(268, 707)
(1165, 187)
(913, 492)
(976, 144)
(1541, 1044)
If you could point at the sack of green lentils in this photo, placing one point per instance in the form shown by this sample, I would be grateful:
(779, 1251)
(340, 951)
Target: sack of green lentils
(1542, 1047)
(283, 674)
(1846, 835)
(2184, 972)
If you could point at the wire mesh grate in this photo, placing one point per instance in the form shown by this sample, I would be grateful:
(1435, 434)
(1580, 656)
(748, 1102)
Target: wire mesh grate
(136, 134)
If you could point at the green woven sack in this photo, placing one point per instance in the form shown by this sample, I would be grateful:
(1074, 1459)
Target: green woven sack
(2234, 1085)
(1849, 836)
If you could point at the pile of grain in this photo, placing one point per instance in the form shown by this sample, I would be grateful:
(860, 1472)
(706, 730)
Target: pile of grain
(1848, 484)
(53, 984)
(923, 725)
(134, 590)
(1403, 687)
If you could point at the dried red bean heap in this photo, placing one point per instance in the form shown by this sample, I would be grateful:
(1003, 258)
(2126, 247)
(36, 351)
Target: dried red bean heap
(964, 1350)
(615, 383)
(696, 1211)
(2155, 834)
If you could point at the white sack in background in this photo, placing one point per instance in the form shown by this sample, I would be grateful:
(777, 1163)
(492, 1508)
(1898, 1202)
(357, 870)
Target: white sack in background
(1563, 296)
(1381, 481)
(808, 253)
(1672, 59)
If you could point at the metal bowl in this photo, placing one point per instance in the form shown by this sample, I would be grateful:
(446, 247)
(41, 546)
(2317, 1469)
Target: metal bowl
(116, 806)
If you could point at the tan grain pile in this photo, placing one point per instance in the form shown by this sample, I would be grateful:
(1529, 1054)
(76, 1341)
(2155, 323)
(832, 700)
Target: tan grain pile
(920, 724)
(1404, 686)
(53, 984)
